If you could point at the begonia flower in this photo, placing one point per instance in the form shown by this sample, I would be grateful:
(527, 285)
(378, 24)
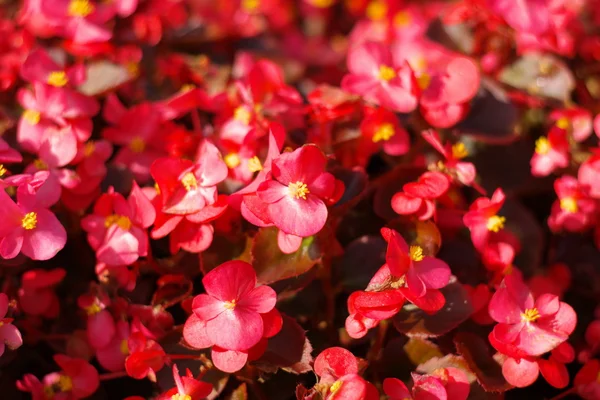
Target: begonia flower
(419, 197)
(551, 152)
(482, 218)
(9, 334)
(186, 387)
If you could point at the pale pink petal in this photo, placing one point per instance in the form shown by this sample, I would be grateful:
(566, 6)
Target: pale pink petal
(434, 272)
(207, 307)
(235, 329)
(194, 333)
(300, 217)
(230, 280)
(261, 299)
(228, 360)
(46, 239)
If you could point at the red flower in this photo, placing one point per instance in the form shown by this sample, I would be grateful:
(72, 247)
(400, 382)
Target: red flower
(588, 174)
(36, 295)
(482, 218)
(586, 380)
(296, 196)
(187, 388)
(146, 357)
(9, 334)
(575, 210)
(232, 306)
(112, 356)
(551, 152)
(417, 276)
(379, 79)
(446, 383)
(381, 128)
(419, 197)
(577, 121)
(527, 327)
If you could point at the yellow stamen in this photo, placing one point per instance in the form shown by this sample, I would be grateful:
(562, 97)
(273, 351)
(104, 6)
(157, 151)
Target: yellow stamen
(376, 10)
(254, 164)
(424, 80)
(230, 305)
(322, 3)
(121, 221)
(189, 181)
(563, 123)
(179, 396)
(3, 171)
(250, 5)
(402, 18)
(89, 148)
(32, 116)
(335, 387)
(133, 68)
(241, 114)
(386, 73)
(542, 145)
(93, 309)
(459, 151)
(157, 188)
(57, 78)
(569, 204)
(383, 132)
(124, 347)
(530, 315)
(29, 221)
(187, 87)
(40, 165)
(232, 160)
(495, 223)
(80, 8)
(65, 383)
(137, 144)
(298, 190)
(416, 253)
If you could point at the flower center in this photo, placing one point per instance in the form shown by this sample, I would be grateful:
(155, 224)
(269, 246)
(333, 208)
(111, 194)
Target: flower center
(32, 116)
(530, 315)
(416, 253)
(188, 87)
(254, 164)
(137, 144)
(189, 181)
(322, 3)
(133, 68)
(298, 190)
(402, 18)
(569, 204)
(250, 5)
(2, 170)
(121, 221)
(80, 8)
(29, 221)
(93, 308)
(386, 73)
(241, 114)
(232, 160)
(124, 347)
(230, 305)
(376, 10)
(40, 165)
(459, 151)
(563, 123)
(65, 383)
(89, 148)
(335, 387)
(384, 132)
(179, 396)
(423, 80)
(495, 223)
(58, 78)
(542, 145)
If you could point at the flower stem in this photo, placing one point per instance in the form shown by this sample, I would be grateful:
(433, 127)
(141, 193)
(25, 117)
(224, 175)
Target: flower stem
(564, 394)
(112, 375)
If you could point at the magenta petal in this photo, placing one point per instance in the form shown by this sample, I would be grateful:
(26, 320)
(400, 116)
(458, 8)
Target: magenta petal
(120, 247)
(228, 360)
(323, 186)
(299, 217)
(100, 329)
(414, 283)
(272, 191)
(194, 333)
(10, 335)
(10, 214)
(503, 308)
(230, 280)
(207, 307)
(11, 244)
(47, 239)
(536, 340)
(547, 304)
(396, 389)
(434, 272)
(261, 299)
(235, 329)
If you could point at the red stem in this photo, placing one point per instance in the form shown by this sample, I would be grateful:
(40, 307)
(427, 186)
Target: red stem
(564, 394)
(112, 375)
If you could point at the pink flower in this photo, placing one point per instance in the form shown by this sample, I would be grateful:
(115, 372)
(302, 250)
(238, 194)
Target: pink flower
(8, 155)
(417, 276)
(187, 187)
(577, 121)
(232, 306)
(419, 197)
(117, 228)
(551, 152)
(112, 356)
(9, 334)
(381, 128)
(588, 173)
(379, 79)
(527, 327)
(146, 357)
(39, 67)
(446, 383)
(482, 218)
(82, 21)
(36, 294)
(28, 226)
(186, 387)
(296, 196)
(575, 210)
